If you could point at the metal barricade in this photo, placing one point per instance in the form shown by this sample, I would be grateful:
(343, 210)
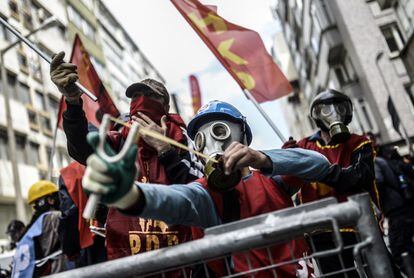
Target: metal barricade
(193, 259)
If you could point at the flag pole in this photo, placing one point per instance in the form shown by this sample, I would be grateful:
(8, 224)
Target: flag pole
(52, 151)
(264, 114)
(43, 55)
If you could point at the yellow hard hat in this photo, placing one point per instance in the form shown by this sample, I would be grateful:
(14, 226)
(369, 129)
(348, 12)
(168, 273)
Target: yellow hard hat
(41, 189)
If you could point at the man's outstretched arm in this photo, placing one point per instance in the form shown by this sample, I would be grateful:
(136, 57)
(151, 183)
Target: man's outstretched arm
(304, 164)
(185, 204)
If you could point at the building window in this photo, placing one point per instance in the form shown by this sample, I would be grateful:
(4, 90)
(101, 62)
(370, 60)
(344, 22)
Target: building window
(48, 153)
(28, 20)
(46, 125)
(315, 35)
(385, 4)
(4, 149)
(11, 81)
(321, 13)
(98, 66)
(20, 149)
(41, 13)
(113, 53)
(405, 14)
(35, 68)
(4, 33)
(23, 95)
(365, 116)
(33, 119)
(39, 101)
(344, 72)
(393, 37)
(22, 58)
(33, 157)
(81, 23)
(64, 158)
(341, 75)
(74, 16)
(53, 105)
(88, 30)
(409, 89)
(14, 9)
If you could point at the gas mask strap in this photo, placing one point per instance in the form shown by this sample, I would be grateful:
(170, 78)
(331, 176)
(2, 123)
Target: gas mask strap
(243, 131)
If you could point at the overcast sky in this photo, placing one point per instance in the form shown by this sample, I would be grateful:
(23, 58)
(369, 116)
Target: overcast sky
(176, 51)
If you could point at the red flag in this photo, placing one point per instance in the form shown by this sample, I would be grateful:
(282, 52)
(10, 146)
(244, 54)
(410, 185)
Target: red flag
(240, 50)
(90, 79)
(195, 93)
(72, 177)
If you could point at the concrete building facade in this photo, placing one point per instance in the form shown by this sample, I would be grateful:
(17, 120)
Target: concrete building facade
(353, 46)
(35, 99)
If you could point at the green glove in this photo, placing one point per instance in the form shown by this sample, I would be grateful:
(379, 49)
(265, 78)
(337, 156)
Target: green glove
(115, 181)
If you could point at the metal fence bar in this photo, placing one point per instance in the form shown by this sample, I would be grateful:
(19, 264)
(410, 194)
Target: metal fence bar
(274, 228)
(368, 230)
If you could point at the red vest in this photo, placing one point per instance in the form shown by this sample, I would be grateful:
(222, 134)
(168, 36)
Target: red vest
(72, 177)
(340, 154)
(257, 195)
(127, 235)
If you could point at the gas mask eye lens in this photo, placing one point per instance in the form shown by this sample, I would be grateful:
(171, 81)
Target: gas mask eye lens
(220, 131)
(199, 141)
(341, 108)
(325, 110)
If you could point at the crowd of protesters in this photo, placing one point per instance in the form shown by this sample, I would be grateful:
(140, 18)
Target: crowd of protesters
(158, 195)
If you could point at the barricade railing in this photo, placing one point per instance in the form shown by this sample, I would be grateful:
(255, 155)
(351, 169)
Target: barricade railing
(263, 232)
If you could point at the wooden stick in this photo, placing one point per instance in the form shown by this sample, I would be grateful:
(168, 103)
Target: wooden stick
(165, 139)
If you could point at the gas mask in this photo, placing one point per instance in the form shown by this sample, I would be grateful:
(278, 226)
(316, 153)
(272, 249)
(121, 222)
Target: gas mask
(212, 139)
(333, 119)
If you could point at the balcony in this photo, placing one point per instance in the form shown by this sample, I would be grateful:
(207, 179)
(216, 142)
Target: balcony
(336, 47)
(324, 31)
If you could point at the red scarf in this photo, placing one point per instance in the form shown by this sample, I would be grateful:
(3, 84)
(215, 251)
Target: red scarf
(151, 170)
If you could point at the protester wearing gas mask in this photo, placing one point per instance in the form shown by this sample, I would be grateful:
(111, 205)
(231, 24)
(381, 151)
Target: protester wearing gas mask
(351, 154)
(352, 157)
(160, 163)
(220, 131)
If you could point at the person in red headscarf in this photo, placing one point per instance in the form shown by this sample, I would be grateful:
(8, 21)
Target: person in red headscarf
(160, 163)
(149, 107)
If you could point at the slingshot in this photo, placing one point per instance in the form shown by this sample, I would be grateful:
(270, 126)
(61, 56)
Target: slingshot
(132, 138)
